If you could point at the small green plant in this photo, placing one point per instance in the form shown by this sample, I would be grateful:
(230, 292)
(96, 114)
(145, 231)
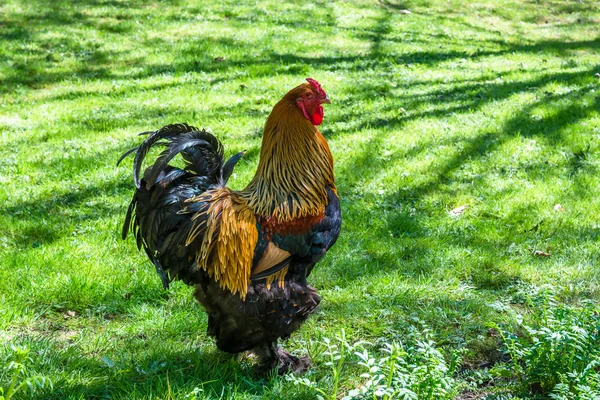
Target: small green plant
(396, 371)
(337, 353)
(584, 385)
(195, 394)
(559, 356)
(414, 372)
(16, 370)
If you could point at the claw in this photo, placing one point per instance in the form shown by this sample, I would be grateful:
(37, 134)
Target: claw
(291, 363)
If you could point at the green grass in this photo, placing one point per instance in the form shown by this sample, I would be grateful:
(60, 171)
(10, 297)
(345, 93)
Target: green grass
(485, 104)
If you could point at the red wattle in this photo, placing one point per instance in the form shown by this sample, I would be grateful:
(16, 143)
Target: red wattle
(317, 117)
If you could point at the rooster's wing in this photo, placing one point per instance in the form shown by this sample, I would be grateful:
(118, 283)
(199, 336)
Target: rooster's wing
(298, 244)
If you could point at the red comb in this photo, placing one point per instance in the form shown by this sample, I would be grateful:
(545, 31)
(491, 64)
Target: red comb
(317, 86)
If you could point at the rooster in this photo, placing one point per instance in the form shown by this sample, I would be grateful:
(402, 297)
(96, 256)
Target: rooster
(248, 253)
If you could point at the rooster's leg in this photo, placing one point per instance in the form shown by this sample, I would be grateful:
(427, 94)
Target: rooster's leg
(213, 325)
(270, 356)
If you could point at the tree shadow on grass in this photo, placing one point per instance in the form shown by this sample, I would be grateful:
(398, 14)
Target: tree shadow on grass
(148, 367)
(44, 220)
(131, 366)
(99, 63)
(564, 110)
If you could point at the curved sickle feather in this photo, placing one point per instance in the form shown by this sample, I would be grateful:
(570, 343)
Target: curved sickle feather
(227, 169)
(167, 155)
(164, 132)
(128, 152)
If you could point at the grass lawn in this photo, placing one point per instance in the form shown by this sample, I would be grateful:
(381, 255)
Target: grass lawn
(467, 145)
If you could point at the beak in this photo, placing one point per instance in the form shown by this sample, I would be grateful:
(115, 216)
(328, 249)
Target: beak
(326, 100)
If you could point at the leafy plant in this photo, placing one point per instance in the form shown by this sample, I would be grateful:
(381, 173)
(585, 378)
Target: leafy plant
(337, 353)
(396, 371)
(195, 394)
(584, 385)
(15, 370)
(414, 372)
(559, 356)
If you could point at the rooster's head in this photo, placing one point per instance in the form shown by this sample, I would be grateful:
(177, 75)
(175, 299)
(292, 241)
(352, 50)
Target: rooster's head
(309, 97)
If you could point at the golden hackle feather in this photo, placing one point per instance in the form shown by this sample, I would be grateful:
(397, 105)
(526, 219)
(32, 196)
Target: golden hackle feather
(229, 239)
(295, 165)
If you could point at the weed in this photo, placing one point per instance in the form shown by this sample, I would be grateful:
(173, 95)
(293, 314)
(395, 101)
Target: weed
(558, 353)
(16, 372)
(417, 371)
(394, 371)
(337, 353)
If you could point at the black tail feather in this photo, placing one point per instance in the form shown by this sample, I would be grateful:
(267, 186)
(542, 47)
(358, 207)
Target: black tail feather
(166, 132)
(176, 146)
(159, 269)
(128, 152)
(204, 160)
(128, 218)
(202, 153)
(157, 206)
(227, 169)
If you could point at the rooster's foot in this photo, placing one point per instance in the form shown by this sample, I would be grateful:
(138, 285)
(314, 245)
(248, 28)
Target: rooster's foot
(290, 363)
(267, 356)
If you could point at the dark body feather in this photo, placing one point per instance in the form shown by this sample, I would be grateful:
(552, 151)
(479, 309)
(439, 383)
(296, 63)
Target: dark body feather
(170, 203)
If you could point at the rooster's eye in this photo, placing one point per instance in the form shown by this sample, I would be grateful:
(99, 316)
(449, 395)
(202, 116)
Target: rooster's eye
(308, 95)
